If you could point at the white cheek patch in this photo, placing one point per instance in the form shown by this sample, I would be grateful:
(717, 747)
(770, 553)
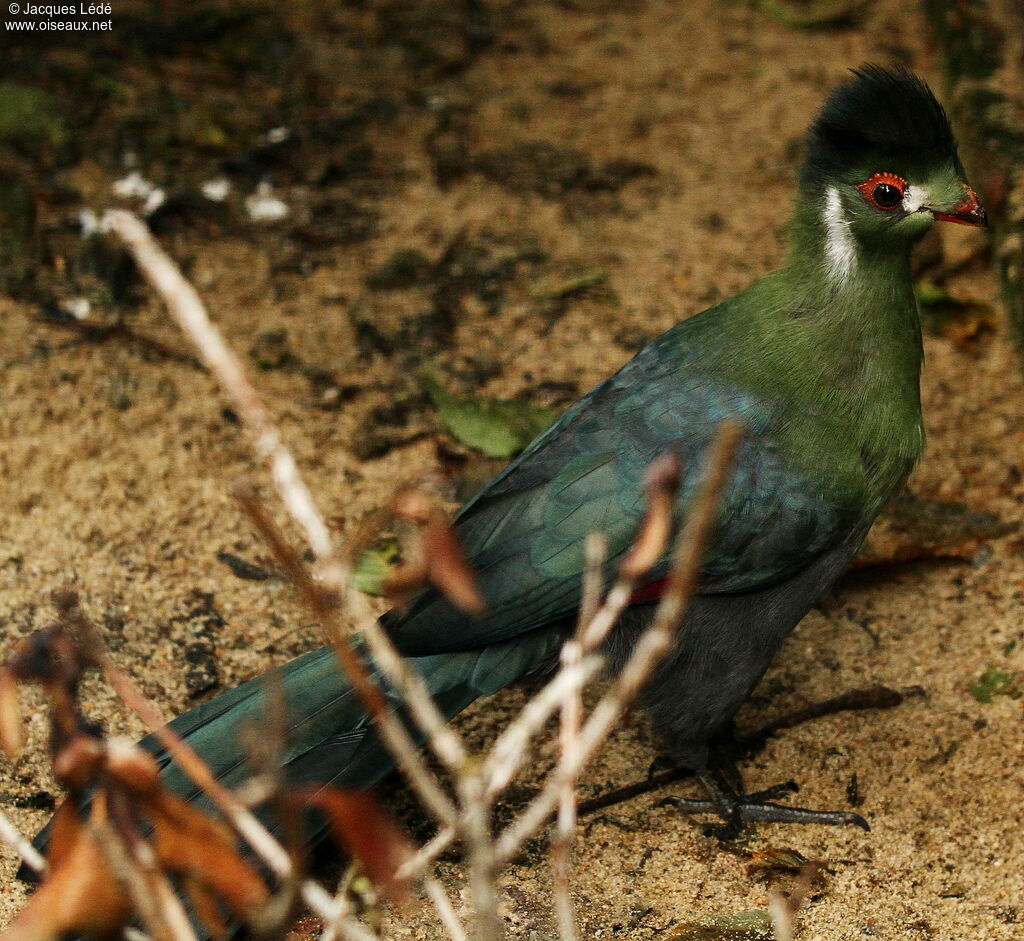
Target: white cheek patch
(840, 245)
(914, 197)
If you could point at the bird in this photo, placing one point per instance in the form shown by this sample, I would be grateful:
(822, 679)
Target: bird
(818, 361)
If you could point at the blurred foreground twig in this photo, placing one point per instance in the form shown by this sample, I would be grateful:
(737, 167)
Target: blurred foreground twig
(329, 597)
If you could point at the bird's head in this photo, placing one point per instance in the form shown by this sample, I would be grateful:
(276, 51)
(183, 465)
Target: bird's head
(882, 162)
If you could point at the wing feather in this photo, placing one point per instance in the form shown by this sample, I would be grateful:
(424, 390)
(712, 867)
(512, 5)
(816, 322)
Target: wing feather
(525, 532)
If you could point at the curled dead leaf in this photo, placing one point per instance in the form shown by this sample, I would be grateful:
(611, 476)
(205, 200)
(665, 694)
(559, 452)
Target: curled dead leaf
(11, 731)
(359, 825)
(447, 567)
(652, 539)
(136, 770)
(776, 859)
(80, 894)
(187, 841)
(78, 763)
(432, 554)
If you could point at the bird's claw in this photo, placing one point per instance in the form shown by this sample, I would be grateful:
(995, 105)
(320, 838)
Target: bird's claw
(771, 793)
(737, 810)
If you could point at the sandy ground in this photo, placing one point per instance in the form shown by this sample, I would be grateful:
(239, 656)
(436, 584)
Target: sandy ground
(116, 461)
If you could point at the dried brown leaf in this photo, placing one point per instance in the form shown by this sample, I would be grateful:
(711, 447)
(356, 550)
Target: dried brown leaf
(776, 859)
(656, 528)
(447, 566)
(78, 763)
(432, 554)
(80, 894)
(63, 832)
(187, 841)
(51, 657)
(11, 732)
(136, 770)
(204, 904)
(359, 825)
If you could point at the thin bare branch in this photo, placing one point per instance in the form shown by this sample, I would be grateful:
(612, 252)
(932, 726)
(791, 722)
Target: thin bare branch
(427, 853)
(561, 844)
(596, 552)
(188, 310)
(131, 857)
(318, 601)
(445, 910)
(651, 648)
(476, 823)
(335, 913)
(508, 752)
(21, 844)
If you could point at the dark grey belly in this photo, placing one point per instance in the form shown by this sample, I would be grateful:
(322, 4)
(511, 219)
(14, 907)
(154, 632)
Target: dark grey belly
(724, 647)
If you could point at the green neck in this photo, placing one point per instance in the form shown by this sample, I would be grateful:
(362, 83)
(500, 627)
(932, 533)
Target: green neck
(837, 332)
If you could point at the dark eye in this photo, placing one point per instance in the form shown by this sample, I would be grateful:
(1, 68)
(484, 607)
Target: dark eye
(886, 196)
(884, 190)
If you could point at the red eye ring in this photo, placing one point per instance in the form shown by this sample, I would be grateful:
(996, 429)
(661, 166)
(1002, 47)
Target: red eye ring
(883, 190)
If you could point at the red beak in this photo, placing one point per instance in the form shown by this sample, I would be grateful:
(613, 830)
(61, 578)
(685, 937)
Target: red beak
(969, 212)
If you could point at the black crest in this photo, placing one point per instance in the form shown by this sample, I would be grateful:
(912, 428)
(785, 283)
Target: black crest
(880, 119)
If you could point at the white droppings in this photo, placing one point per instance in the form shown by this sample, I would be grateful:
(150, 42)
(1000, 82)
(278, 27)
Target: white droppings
(136, 186)
(264, 206)
(217, 190)
(276, 135)
(89, 222)
(840, 245)
(154, 201)
(77, 307)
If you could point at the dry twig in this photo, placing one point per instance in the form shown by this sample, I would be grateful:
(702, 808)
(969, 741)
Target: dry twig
(478, 782)
(14, 838)
(651, 647)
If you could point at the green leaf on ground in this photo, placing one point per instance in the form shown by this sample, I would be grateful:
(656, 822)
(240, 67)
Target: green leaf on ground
(30, 114)
(815, 14)
(374, 564)
(557, 288)
(993, 682)
(495, 427)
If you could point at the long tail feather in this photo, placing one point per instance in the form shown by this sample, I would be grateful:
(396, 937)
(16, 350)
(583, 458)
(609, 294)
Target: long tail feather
(330, 739)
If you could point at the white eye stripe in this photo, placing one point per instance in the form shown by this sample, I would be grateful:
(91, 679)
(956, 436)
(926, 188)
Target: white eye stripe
(914, 197)
(840, 246)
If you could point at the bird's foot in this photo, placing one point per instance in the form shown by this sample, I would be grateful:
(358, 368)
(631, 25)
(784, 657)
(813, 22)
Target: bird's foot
(737, 809)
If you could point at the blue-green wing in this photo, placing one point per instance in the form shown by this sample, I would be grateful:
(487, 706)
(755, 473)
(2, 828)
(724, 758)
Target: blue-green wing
(524, 533)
